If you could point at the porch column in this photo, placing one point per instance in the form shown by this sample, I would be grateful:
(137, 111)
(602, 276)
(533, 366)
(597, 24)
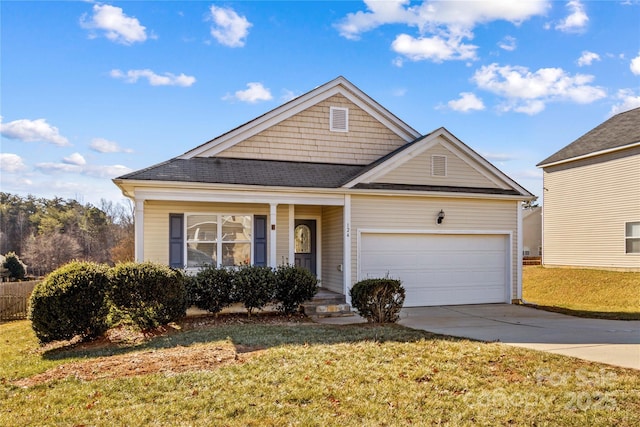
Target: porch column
(138, 226)
(519, 260)
(292, 227)
(346, 263)
(272, 235)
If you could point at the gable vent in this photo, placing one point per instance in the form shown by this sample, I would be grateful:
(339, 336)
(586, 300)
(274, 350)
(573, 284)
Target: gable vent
(339, 119)
(438, 165)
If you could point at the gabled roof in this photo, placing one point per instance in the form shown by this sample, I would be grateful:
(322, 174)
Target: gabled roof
(224, 170)
(405, 152)
(619, 132)
(336, 86)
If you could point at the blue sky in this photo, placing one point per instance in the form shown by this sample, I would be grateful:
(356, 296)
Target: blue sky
(93, 90)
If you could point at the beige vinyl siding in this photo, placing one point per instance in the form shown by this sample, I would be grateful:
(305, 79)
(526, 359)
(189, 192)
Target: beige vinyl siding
(306, 137)
(308, 212)
(419, 213)
(156, 222)
(586, 205)
(332, 248)
(282, 235)
(417, 171)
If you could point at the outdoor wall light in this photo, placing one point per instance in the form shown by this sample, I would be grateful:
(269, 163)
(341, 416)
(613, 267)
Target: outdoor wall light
(440, 217)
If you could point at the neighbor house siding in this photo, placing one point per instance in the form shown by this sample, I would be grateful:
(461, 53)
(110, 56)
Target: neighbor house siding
(332, 249)
(156, 222)
(586, 205)
(419, 213)
(306, 137)
(417, 171)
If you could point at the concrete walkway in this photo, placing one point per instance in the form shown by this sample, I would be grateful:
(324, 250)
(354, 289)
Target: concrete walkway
(614, 342)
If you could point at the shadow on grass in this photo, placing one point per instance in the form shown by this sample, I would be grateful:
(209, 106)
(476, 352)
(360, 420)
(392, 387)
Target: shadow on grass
(250, 335)
(608, 315)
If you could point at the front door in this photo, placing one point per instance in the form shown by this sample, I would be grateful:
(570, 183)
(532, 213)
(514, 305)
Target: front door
(305, 244)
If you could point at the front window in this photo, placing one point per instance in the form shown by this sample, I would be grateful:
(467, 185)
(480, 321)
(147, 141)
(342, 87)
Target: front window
(632, 237)
(218, 239)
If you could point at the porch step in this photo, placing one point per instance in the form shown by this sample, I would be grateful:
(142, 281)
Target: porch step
(327, 310)
(327, 304)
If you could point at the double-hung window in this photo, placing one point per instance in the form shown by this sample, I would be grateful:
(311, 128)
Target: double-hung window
(632, 237)
(222, 240)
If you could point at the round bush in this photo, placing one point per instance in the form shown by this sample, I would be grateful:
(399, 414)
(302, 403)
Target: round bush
(147, 294)
(254, 286)
(16, 268)
(378, 300)
(211, 289)
(70, 302)
(294, 285)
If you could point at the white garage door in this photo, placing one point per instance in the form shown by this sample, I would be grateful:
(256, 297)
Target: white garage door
(438, 269)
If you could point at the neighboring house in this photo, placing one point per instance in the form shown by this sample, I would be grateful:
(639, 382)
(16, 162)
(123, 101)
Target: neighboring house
(532, 232)
(592, 198)
(334, 182)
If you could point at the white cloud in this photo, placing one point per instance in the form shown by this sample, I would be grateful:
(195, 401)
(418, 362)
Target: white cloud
(32, 131)
(117, 26)
(96, 171)
(255, 92)
(442, 26)
(635, 65)
(75, 159)
(229, 28)
(587, 58)
(102, 145)
(529, 92)
(498, 157)
(628, 100)
(508, 43)
(436, 48)
(467, 102)
(576, 21)
(11, 163)
(167, 79)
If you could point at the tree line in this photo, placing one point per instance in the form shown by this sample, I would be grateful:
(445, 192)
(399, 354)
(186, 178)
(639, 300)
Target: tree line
(47, 233)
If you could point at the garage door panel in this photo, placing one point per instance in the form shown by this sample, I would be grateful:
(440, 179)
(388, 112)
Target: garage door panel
(439, 269)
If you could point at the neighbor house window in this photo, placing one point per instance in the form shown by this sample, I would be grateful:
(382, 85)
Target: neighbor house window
(632, 237)
(222, 240)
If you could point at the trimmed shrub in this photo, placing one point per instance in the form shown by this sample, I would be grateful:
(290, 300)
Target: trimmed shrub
(211, 289)
(70, 302)
(147, 294)
(16, 268)
(294, 285)
(254, 286)
(378, 300)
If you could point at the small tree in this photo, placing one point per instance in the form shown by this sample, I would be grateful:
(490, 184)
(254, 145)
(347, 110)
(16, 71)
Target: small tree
(16, 268)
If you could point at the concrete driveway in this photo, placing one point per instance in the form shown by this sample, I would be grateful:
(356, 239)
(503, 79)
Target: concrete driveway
(614, 342)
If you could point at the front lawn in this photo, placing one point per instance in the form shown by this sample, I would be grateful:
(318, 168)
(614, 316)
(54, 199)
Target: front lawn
(588, 293)
(274, 374)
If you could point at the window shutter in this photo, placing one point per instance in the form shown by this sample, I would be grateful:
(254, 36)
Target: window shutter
(339, 119)
(438, 165)
(176, 240)
(260, 240)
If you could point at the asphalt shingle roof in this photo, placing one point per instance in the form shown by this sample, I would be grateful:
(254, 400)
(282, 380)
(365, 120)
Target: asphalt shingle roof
(620, 130)
(223, 170)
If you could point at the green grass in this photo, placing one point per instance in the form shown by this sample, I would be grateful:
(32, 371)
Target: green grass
(587, 293)
(319, 375)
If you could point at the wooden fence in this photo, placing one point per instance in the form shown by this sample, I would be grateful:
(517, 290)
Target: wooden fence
(14, 297)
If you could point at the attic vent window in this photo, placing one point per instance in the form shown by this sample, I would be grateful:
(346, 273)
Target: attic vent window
(438, 165)
(339, 119)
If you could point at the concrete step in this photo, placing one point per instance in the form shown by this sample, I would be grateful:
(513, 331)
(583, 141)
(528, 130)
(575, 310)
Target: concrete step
(313, 309)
